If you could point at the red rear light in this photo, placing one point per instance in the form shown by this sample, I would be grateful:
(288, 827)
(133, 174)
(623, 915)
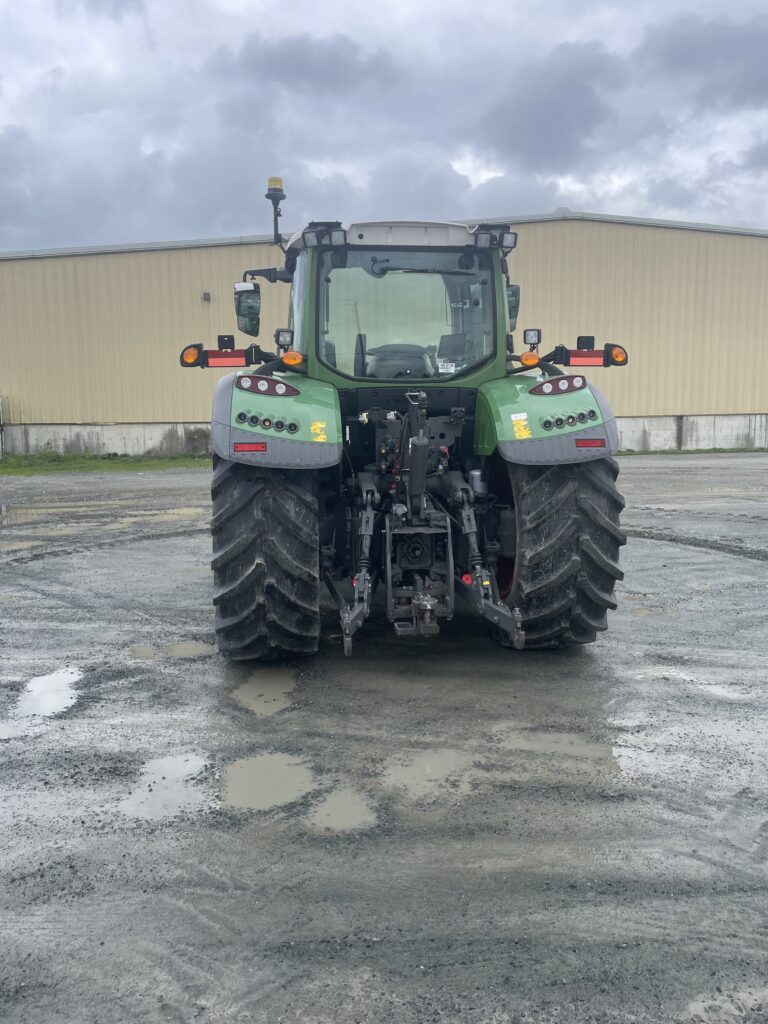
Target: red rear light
(250, 446)
(233, 357)
(580, 357)
(590, 442)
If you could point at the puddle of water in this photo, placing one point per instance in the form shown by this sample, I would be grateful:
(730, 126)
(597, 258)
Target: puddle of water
(184, 649)
(19, 545)
(165, 788)
(552, 743)
(43, 697)
(425, 774)
(143, 652)
(269, 780)
(723, 691)
(266, 691)
(61, 531)
(344, 810)
(190, 649)
(163, 516)
(727, 1008)
(20, 515)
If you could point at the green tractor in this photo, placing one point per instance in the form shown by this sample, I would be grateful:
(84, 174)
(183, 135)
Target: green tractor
(395, 441)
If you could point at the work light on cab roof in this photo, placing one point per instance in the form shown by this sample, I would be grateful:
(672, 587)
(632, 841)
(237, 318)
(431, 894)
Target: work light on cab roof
(394, 439)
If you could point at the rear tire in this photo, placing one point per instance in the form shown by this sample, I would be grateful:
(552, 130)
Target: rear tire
(568, 541)
(265, 561)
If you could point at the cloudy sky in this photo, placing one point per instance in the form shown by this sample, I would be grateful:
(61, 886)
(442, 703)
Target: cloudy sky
(141, 120)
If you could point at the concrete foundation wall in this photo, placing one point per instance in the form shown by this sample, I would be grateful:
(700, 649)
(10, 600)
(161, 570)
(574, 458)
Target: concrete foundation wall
(636, 433)
(692, 433)
(106, 438)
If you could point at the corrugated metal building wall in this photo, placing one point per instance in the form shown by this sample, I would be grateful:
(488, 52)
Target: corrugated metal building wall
(93, 337)
(691, 306)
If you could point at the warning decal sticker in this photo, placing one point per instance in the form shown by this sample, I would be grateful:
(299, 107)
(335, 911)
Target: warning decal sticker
(520, 426)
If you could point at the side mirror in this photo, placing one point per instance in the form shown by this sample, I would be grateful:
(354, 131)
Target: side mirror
(248, 307)
(513, 304)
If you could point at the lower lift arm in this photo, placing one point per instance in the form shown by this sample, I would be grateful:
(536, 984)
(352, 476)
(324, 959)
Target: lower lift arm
(478, 586)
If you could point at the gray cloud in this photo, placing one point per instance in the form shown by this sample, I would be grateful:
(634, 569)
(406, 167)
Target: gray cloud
(756, 157)
(670, 194)
(121, 128)
(115, 9)
(298, 62)
(554, 109)
(722, 62)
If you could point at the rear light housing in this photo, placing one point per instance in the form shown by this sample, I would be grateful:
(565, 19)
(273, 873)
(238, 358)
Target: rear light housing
(609, 355)
(558, 385)
(590, 442)
(255, 384)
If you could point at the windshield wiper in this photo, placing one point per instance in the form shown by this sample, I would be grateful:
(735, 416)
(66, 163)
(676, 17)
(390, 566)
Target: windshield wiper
(381, 271)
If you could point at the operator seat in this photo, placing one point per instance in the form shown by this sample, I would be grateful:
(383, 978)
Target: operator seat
(390, 361)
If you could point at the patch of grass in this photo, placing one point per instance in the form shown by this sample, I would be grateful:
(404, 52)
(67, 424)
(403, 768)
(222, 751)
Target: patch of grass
(33, 465)
(693, 451)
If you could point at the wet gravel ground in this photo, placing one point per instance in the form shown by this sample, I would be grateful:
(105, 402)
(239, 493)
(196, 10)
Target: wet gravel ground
(429, 831)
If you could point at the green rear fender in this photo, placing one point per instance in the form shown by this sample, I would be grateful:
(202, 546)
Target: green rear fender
(509, 418)
(311, 437)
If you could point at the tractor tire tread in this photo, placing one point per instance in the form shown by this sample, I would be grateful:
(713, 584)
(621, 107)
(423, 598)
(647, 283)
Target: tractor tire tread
(266, 548)
(568, 542)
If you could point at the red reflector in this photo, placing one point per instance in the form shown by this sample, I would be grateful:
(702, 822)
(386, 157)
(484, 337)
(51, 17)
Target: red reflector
(579, 357)
(590, 442)
(217, 358)
(466, 579)
(250, 446)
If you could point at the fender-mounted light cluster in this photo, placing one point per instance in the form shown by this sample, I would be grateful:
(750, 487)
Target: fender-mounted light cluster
(266, 386)
(267, 423)
(558, 386)
(569, 419)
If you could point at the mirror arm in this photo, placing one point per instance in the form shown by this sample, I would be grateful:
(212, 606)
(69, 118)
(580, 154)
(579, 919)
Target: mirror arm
(272, 274)
(549, 368)
(254, 355)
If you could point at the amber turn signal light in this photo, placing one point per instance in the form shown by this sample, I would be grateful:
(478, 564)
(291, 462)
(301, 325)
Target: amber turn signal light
(291, 358)
(615, 355)
(530, 359)
(191, 355)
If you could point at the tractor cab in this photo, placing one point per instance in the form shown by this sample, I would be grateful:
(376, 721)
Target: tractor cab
(405, 302)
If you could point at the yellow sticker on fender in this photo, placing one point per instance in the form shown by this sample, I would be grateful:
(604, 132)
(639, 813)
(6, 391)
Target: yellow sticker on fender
(520, 425)
(318, 427)
(319, 437)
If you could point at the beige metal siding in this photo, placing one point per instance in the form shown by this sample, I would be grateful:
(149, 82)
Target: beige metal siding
(691, 307)
(96, 339)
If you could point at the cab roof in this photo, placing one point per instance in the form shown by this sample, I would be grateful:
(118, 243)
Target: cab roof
(416, 233)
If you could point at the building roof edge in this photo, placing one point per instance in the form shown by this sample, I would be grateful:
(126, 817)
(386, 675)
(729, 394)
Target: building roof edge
(562, 214)
(99, 250)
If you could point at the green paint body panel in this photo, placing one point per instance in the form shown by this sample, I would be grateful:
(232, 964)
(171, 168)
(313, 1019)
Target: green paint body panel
(315, 409)
(507, 412)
